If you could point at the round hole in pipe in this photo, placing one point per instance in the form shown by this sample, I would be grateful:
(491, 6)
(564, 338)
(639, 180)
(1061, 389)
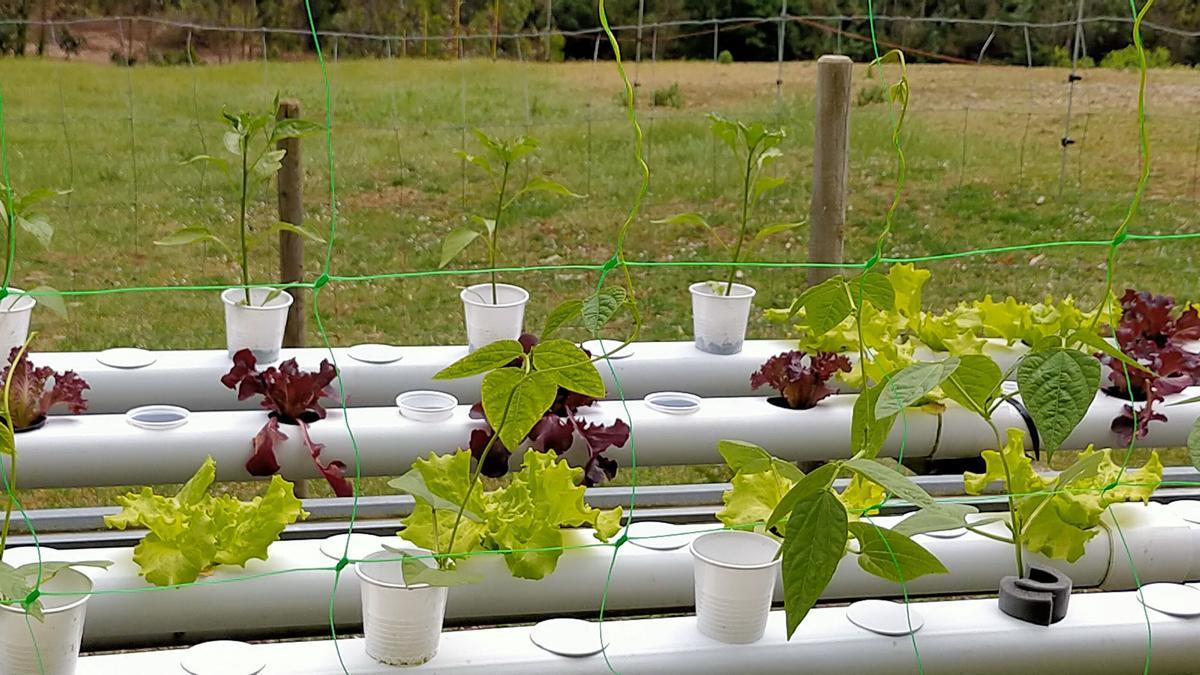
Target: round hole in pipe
(157, 417)
(426, 406)
(673, 402)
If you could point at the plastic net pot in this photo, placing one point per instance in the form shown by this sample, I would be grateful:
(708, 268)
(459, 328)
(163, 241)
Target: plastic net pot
(402, 623)
(719, 320)
(735, 579)
(258, 326)
(56, 639)
(15, 312)
(488, 320)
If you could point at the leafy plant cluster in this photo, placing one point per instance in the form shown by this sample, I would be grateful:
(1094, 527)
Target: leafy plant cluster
(523, 519)
(33, 391)
(294, 398)
(800, 378)
(193, 532)
(1157, 334)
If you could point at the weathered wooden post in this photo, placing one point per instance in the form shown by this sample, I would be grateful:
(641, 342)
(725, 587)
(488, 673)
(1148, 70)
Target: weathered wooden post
(831, 165)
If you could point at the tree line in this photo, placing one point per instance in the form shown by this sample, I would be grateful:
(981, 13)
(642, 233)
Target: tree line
(447, 28)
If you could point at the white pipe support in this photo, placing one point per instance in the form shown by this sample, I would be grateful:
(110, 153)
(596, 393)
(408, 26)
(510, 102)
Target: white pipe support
(1102, 633)
(191, 379)
(1150, 543)
(263, 597)
(97, 450)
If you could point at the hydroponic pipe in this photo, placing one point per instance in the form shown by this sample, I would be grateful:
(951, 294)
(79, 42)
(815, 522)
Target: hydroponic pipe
(97, 450)
(192, 378)
(289, 593)
(1103, 633)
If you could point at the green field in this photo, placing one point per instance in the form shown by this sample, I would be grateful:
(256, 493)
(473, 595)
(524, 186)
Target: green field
(983, 159)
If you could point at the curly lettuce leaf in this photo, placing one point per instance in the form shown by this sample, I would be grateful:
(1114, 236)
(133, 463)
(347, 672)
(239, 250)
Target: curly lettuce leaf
(753, 497)
(193, 532)
(1060, 516)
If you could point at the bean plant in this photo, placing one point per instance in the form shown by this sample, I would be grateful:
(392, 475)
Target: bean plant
(252, 158)
(498, 161)
(24, 211)
(754, 148)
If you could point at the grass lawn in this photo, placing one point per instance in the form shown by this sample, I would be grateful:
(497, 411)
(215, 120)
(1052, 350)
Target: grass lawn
(983, 149)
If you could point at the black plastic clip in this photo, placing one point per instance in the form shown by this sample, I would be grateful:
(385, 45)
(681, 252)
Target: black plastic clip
(1035, 439)
(1040, 597)
(1067, 141)
(1074, 78)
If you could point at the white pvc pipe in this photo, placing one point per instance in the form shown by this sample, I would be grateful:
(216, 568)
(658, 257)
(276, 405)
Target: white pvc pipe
(263, 597)
(96, 450)
(191, 378)
(1102, 633)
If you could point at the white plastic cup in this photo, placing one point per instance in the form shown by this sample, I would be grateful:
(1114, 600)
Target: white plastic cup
(719, 320)
(402, 623)
(489, 321)
(15, 312)
(735, 579)
(56, 639)
(256, 326)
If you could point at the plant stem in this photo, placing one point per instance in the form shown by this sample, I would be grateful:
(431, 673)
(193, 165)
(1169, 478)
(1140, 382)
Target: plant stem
(242, 221)
(12, 462)
(988, 535)
(1018, 540)
(496, 231)
(737, 250)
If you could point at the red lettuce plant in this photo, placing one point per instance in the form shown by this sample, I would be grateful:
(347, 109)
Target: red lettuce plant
(31, 396)
(555, 431)
(800, 383)
(293, 397)
(1150, 334)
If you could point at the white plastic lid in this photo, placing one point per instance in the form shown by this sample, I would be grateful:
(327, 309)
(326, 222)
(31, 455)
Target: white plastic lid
(884, 617)
(568, 637)
(222, 657)
(426, 406)
(157, 417)
(375, 353)
(126, 357)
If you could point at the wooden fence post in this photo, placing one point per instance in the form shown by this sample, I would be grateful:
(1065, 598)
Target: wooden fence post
(831, 165)
(290, 182)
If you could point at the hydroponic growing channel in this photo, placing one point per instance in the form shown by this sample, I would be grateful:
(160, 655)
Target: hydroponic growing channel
(911, 486)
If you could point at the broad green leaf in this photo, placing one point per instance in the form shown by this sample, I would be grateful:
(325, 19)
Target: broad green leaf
(514, 401)
(1091, 339)
(454, 243)
(744, 457)
(269, 163)
(817, 480)
(569, 366)
(767, 156)
(868, 434)
(488, 224)
(51, 299)
(787, 469)
(416, 571)
(825, 305)
(543, 184)
(893, 556)
(37, 226)
(599, 307)
(1057, 387)
(488, 357)
(232, 141)
(478, 160)
(413, 483)
(815, 542)
(1193, 444)
(194, 235)
(7, 446)
(300, 230)
(683, 219)
(293, 128)
(891, 480)
(219, 162)
(937, 518)
(875, 289)
(725, 130)
(566, 312)
(771, 230)
(34, 197)
(909, 385)
(763, 185)
(974, 383)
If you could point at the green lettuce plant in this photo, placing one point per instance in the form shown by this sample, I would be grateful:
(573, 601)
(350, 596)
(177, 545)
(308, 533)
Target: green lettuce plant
(523, 519)
(819, 526)
(253, 158)
(754, 148)
(194, 532)
(497, 161)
